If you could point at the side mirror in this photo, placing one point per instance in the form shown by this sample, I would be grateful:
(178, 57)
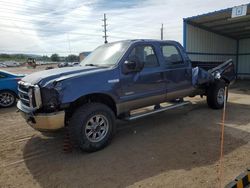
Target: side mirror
(132, 65)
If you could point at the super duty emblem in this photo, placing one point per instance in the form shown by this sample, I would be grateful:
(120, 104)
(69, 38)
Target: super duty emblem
(113, 81)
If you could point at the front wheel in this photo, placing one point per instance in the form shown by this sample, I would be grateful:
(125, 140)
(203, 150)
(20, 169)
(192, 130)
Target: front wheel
(7, 99)
(92, 126)
(216, 95)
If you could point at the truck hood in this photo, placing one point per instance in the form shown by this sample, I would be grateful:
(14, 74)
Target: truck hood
(52, 74)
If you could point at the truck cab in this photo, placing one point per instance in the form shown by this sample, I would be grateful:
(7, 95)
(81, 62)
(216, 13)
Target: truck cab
(163, 72)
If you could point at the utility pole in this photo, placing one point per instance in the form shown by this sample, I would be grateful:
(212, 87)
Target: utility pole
(105, 29)
(161, 31)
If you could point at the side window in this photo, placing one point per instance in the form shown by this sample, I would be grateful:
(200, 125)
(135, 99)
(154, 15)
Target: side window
(145, 54)
(171, 55)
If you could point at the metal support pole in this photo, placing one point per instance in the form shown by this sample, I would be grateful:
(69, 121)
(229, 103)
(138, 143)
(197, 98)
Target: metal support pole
(105, 29)
(161, 31)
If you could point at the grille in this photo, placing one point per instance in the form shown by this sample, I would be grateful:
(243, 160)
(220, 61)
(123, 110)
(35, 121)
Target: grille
(23, 92)
(27, 95)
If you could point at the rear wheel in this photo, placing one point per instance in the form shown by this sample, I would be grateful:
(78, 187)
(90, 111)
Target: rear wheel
(92, 126)
(216, 94)
(7, 99)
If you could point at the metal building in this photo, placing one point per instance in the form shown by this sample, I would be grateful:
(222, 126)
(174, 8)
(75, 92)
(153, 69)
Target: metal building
(220, 35)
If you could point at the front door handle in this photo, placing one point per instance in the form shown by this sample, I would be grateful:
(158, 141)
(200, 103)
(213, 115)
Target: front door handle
(159, 81)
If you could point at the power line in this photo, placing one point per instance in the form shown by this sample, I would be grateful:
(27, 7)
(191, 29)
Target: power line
(49, 30)
(45, 16)
(5, 28)
(54, 18)
(105, 28)
(68, 21)
(40, 20)
(30, 2)
(65, 21)
(38, 8)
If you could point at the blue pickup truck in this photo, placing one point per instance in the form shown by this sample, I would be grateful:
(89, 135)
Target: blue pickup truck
(113, 81)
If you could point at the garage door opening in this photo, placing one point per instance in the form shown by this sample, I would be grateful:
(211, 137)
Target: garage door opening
(219, 36)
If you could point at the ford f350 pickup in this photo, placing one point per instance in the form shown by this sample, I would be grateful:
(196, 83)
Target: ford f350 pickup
(114, 80)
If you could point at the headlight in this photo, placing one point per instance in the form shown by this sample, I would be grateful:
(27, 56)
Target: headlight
(37, 94)
(50, 98)
(30, 94)
(58, 86)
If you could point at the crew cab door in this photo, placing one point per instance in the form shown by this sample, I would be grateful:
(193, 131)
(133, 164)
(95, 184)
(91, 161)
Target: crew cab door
(146, 87)
(178, 71)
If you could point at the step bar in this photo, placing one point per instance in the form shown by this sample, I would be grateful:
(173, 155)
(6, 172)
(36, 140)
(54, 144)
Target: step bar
(162, 109)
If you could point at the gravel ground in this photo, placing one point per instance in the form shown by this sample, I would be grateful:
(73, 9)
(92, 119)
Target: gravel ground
(177, 148)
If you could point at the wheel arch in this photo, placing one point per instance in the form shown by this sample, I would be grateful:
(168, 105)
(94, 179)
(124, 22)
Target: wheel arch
(94, 97)
(10, 90)
(12, 93)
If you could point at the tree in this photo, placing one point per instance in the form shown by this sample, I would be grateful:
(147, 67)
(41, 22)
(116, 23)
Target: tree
(72, 58)
(54, 57)
(43, 58)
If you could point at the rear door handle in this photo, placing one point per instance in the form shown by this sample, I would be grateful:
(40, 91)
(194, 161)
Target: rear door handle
(187, 72)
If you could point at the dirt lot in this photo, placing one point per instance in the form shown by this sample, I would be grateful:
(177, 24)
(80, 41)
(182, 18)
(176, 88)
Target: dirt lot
(178, 148)
(26, 70)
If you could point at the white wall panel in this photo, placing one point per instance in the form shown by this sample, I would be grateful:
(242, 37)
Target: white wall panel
(244, 57)
(202, 41)
(209, 58)
(244, 46)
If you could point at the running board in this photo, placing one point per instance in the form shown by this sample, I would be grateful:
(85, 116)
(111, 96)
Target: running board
(162, 109)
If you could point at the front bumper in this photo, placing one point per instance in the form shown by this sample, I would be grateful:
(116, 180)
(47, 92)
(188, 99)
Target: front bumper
(43, 121)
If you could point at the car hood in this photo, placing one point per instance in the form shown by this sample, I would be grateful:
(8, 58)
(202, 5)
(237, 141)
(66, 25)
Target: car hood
(52, 74)
(20, 75)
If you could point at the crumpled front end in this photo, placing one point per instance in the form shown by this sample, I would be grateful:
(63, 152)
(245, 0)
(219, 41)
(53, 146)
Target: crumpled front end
(39, 108)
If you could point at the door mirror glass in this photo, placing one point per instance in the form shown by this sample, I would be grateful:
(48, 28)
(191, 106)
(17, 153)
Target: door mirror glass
(133, 64)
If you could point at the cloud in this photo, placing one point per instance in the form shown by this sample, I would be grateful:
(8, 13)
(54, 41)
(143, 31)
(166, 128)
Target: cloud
(60, 26)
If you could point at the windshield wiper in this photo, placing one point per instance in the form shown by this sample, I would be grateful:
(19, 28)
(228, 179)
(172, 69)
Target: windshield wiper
(91, 65)
(96, 65)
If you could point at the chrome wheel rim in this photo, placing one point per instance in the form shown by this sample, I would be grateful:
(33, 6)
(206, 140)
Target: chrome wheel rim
(220, 96)
(96, 128)
(6, 99)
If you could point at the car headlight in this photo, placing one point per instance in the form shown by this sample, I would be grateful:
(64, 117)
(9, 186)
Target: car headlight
(50, 98)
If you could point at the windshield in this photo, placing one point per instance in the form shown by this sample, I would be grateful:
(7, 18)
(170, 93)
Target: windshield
(106, 55)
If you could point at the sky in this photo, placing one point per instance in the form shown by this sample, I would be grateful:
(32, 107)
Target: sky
(72, 26)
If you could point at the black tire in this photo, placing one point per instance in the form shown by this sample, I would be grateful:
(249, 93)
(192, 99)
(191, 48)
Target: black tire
(7, 99)
(215, 95)
(80, 124)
